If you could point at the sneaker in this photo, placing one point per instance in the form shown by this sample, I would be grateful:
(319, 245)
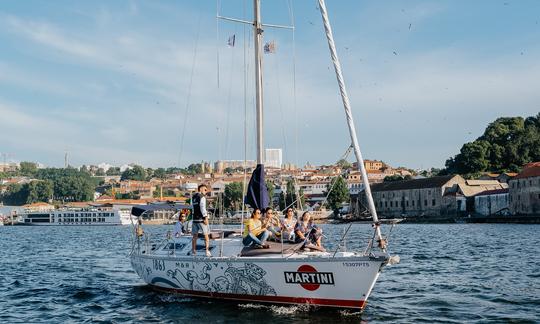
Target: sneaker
(192, 253)
(265, 246)
(208, 254)
(257, 246)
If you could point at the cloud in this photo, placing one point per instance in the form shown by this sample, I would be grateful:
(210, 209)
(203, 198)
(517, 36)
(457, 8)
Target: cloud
(119, 92)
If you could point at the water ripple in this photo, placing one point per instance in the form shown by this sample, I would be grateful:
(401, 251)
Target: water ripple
(448, 274)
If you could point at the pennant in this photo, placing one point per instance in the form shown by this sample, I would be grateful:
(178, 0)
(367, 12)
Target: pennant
(231, 41)
(270, 47)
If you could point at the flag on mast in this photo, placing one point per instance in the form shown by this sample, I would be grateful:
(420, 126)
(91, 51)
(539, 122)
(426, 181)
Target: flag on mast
(231, 41)
(270, 47)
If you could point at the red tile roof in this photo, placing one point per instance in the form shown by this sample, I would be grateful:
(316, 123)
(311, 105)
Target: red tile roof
(530, 170)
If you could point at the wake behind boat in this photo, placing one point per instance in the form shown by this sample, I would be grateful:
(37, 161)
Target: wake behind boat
(283, 273)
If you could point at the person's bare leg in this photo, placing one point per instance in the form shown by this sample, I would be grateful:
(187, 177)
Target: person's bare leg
(194, 244)
(207, 242)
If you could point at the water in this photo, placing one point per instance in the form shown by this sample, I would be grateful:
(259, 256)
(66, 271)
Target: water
(448, 273)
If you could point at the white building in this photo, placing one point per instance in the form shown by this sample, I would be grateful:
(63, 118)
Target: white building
(105, 166)
(273, 158)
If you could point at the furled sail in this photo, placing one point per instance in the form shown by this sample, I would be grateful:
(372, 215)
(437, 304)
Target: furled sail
(257, 193)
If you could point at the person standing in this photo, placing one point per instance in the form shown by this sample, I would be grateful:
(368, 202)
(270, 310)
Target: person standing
(200, 219)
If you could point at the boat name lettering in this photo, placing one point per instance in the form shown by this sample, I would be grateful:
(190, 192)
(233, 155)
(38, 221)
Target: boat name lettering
(182, 265)
(356, 264)
(159, 265)
(312, 278)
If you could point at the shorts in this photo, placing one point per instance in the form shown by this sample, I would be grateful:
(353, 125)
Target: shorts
(200, 227)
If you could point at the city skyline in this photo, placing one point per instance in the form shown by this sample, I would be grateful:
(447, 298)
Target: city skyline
(109, 82)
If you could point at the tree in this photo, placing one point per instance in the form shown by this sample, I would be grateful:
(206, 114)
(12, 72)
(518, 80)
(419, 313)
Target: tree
(28, 193)
(397, 177)
(69, 184)
(149, 174)
(344, 164)
(85, 169)
(14, 195)
(228, 170)
(173, 170)
(289, 198)
(113, 171)
(506, 145)
(128, 195)
(160, 173)
(136, 173)
(232, 197)
(270, 187)
(339, 193)
(27, 168)
(194, 168)
(39, 191)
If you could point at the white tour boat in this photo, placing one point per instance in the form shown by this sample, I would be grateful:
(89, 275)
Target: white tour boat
(77, 216)
(284, 273)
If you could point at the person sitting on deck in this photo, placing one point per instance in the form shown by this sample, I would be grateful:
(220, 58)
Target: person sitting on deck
(308, 232)
(179, 227)
(255, 234)
(287, 225)
(271, 223)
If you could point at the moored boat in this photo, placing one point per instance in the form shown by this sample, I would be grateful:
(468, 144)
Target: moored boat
(76, 216)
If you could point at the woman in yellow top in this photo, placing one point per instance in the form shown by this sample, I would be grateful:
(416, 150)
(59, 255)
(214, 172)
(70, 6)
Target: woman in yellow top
(254, 232)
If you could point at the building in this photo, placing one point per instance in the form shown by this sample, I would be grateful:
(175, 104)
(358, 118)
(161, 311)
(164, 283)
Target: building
(273, 158)
(221, 165)
(9, 167)
(491, 202)
(417, 197)
(503, 177)
(142, 188)
(524, 191)
(371, 165)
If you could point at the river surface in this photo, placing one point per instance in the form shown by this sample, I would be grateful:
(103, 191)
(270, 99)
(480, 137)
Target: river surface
(448, 273)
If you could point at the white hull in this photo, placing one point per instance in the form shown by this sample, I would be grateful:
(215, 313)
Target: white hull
(302, 278)
(77, 217)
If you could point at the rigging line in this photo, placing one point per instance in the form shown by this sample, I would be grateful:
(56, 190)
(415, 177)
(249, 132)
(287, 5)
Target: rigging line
(295, 108)
(229, 95)
(189, 90)
(244, 186)
(278, 85)
(218, 6)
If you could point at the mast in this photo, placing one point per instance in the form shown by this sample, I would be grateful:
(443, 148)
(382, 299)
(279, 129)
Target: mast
(348, 115)
(257, 31)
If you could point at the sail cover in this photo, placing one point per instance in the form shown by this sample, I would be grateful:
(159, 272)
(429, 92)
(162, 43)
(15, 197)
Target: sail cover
(141, 209)
(257, 193)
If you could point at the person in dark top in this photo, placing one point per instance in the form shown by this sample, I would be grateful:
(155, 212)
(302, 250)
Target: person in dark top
(200, 219)
(307, 232)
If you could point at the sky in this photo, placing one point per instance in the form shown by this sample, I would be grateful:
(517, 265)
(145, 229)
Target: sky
(155, 82)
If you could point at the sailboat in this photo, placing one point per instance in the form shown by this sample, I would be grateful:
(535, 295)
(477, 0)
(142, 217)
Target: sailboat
(283, 274)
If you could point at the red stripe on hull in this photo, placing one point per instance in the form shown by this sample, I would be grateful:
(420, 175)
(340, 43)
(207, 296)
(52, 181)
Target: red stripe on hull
(359, 304)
